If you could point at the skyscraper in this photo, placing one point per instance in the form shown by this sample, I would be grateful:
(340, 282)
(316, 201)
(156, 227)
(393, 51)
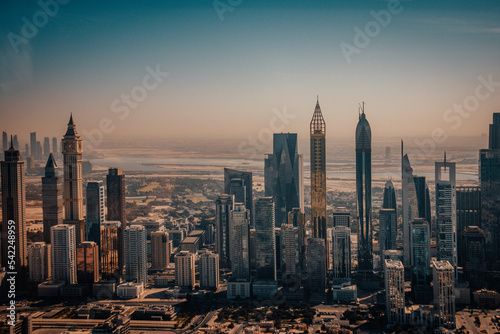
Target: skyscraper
(290, 256)
(239, 184)
(494, 139)
(87, 262)
(444, 294)
(468, 214)
(73, 182)
(185, 269)
(265, 240)
(46, 147)
(297, 219)
(13, 209)
(341, 252)
(52, 197)
(33, 145)
(364, 193)
(388, 229)
(109, 250)
(423, 198)
(239, 233)
(136, 262)
(389, 201)
(446, 212)
(283, 177)
(209, 270)
(95, 211)
(316, 266)
(54, 146)
(160, 250)
(115, 182)
(420, 259)
(224, 205)
(394, 292)
(318, 173)
(5, 141)
(474, 257)
(39, 261)
(63, 248)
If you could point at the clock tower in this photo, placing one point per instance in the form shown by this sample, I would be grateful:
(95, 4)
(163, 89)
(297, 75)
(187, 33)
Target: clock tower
(72, 149)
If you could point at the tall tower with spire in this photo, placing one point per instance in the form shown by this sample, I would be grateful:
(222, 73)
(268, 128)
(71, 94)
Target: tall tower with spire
(318, 173)
(52, 197)
(364, 192)
(72, 149)
(13, 210)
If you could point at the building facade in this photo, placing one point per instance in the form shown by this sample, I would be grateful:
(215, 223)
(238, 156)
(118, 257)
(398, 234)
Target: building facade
(63, 253)
(52, 198)
(95, 211)
(136, 262)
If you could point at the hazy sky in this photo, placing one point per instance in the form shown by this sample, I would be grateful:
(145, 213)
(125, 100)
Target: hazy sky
(226, 76)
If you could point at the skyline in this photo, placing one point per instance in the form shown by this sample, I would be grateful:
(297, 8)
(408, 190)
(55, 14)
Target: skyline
(233, 71)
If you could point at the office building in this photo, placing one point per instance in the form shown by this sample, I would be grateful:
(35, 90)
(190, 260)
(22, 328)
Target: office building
(444, 294)
(224, 205)
(95, 211)
(185, 269)
(46, 147)
(389, 201)
(468, 214)
(110, 269)
(239, 184)
(420, 259)
(239, 238)
(54, 146)
(209, 270)
(63, 253)
(318, 173)
(115, 184)
(316, 266)
(13, 209)
(87, 262)
(52, 198)
(136, 262)
(5, 141)
(388, 223)
(73, 182)
(494, 138)
(394, 292)
(265, 242)
(33, 145)
(296, 218)
(289, 244)
(160, 250)
(341, 252)
(39, 261)
(474, 257)
(364, 193)
(423, 198)
(283, 176)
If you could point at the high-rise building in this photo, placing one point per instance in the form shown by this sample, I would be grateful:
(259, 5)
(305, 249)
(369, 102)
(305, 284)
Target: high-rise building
(420, 245)
(95, 211)
(423, 198)
(468, 214)
(318, 173)
(185, 269)
(489, 178)
(389, 201)
(341, 252)
(409, 204)
(446, 212)
(5, 141)
(394, 292)
(296, 218)
(239, 234)
(316, 266)
(364, 193)
(54, 146)
(160, 250)
(63, 257)
(444, 294)
(15, 142)
(52, 197)
(46, 147)
(224, 205)
(494, 142)
(136, 262)
(87, 262)
(39, 261)
(388, 222)
(13, 209)
(474, 257)
(283, 177)
(33, 145)
(265, 241)
(239, 184)
(115, 182)
(109, 250)
(209, 270)
(73, 181)
(341, 218)
(290, 256)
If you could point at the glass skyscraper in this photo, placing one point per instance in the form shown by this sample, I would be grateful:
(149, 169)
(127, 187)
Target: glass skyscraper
(265, 242)
(239, 184)
(95, 211)
(224, 205)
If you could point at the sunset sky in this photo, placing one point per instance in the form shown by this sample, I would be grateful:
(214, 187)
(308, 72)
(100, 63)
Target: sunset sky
(227, 76)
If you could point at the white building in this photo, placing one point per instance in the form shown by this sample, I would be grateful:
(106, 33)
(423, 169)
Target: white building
(63, 253)
(135, 254)
(185, 269)
(444, 295)
(209, 270)
(394, 292)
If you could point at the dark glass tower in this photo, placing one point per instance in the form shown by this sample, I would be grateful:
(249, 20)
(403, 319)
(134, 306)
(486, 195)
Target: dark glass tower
(494, 143)
(95, 211)
(239, 184)
(115, 182)
(468, 214)
(52, 197)
(423, 198)
(389, 196)
(283, 176)
(224, 206)
(364, 193)
(265, 240)
(318, 173)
